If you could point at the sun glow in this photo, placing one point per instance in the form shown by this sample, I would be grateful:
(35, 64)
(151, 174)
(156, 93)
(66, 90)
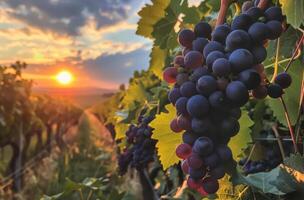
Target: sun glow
(64, 77)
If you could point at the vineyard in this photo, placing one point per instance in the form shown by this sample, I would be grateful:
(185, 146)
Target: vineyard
(219, 114)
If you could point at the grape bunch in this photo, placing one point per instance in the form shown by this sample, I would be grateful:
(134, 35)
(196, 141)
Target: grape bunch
(140, 147)
(214, 76)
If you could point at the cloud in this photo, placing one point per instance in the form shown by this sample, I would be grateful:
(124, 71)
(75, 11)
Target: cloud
(67, 17)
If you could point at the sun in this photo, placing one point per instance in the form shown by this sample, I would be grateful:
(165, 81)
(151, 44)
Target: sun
(64, 77)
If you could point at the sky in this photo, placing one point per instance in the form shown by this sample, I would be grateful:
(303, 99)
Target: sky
(93, 39)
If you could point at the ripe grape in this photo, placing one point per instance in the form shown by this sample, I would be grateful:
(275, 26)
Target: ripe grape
(275, 29)
(193, 184)
(255, 13)
(203, 146)
(283, 79)
(275, 90)
(185, 51)
(250, 78)
(186, 37)
(214, 55)
(197, 106)
(235, 113)
(198, 72)
(224, 152)
(238, 39)
(185, 166)
(181, 105)
(220, 33)
(199, 44)
(173, 95)
(182, 78)
(189, 138)
(200, 125)
(241, 59)
(237, 92)
(197, 174)
(184, 122)
(203, 29)
(259, 54)
(217, 99)
(222, 84)
(259, 32)
(193, 59)
(188, 89)
(260, 92)
(242, 21)
(274, 13)
(183, 151)
(247, 5)
(179, 60)
(218, 172)
(211, 160)
(213, 46)
(229, 127)
(174, 126)
(206, 85)
(210, 185)
(170, 74)
(195, 161)
(221, 67)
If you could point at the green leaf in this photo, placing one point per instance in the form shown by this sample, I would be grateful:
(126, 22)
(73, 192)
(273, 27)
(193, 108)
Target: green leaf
(294, 11)
(157, 61)
(240, 142)
(295, 161)
(291, 96)
(167, 140)
(136, 93)
(150, 15)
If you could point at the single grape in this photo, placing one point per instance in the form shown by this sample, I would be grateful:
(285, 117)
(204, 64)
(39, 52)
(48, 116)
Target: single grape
(195, 161)
(184, 122)
(255, 13)
(275, 28)
(174, 126)
(268, 3)
(183, 151)
(186, 51)
(197, 174)
(200, 126)
(221, 67)
(242, 21)
(274, 13)
(218, 172)
(222, 83)
(174, 94)
(197, 106)
(283, 79)
(185, 166)
(229, 127)
(181, 105)
(186, 37)
(260, 92)
(189, 138)
(235, 113)
(220, 33)
(213, 46)
(193, 59)
(179, 60)
(246, 6)
(224, 152)
(188, 89)
(259, 32)
(199, 44)
(199, 72)
(259, 54)
(238, 39)
(170, 74)
(241, 59)
(237, 92)
(201, 190)
(203, 146)
(193, 184)
(211, 160)
(203, 29)
(181, 78)
(217, 99)
(250, 78)
(206, 85)
(275, 90)
(214, 55)
(210, 185)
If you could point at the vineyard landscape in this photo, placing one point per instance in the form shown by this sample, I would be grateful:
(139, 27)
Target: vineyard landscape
(152, 100)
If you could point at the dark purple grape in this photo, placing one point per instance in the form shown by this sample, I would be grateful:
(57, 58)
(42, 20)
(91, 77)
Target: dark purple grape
(242, 21)
(220, 33)
(235, 113)
(188, 89)
(224, 152)
(275, 28)
(222, 84)
(181, 105)
(199, 44)
(217, 99)
(283, 79)
(184, 122)
(195, 161)
(197, 174)
(274, 13)
(218, 172)
(182, 78)
(186, 51)
(210, 185)
(229, 127)
(194, 59)
(199, 72)
(250, 78)
(200, 126)
(213, 46)
(203, 29)
(259, 32)
(214, 55)
(238, 39)
(179, 60)
(174, 126)
(246, 6)
(211, 160)
(173, 95)
(197, 106)
(259, 54)
(203, 146)
(237, 92)
(275, 90)
(186, 37)
(189, 137)
(221, 67)
(206, 85)
(241, 59)
(260, 92)
(255, 13)
(183, 151)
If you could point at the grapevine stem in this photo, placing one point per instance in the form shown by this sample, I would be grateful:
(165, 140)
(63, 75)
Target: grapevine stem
(295, 53)
(263, 4)
(222, 13)
(276, 133)
(250, 154)
(289, 125)
(276, 64)
(300, 111)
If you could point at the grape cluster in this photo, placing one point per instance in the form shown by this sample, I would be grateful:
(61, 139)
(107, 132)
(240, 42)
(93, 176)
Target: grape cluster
(140, 147)
(213, 77)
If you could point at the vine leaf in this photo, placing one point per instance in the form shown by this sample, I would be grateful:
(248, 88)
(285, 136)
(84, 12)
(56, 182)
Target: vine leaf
(240, 142)
(291, 96)
(157, 61)
(294, 10)
(167, 140)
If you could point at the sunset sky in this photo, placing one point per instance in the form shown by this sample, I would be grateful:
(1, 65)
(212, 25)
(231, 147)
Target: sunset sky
(94, 39)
